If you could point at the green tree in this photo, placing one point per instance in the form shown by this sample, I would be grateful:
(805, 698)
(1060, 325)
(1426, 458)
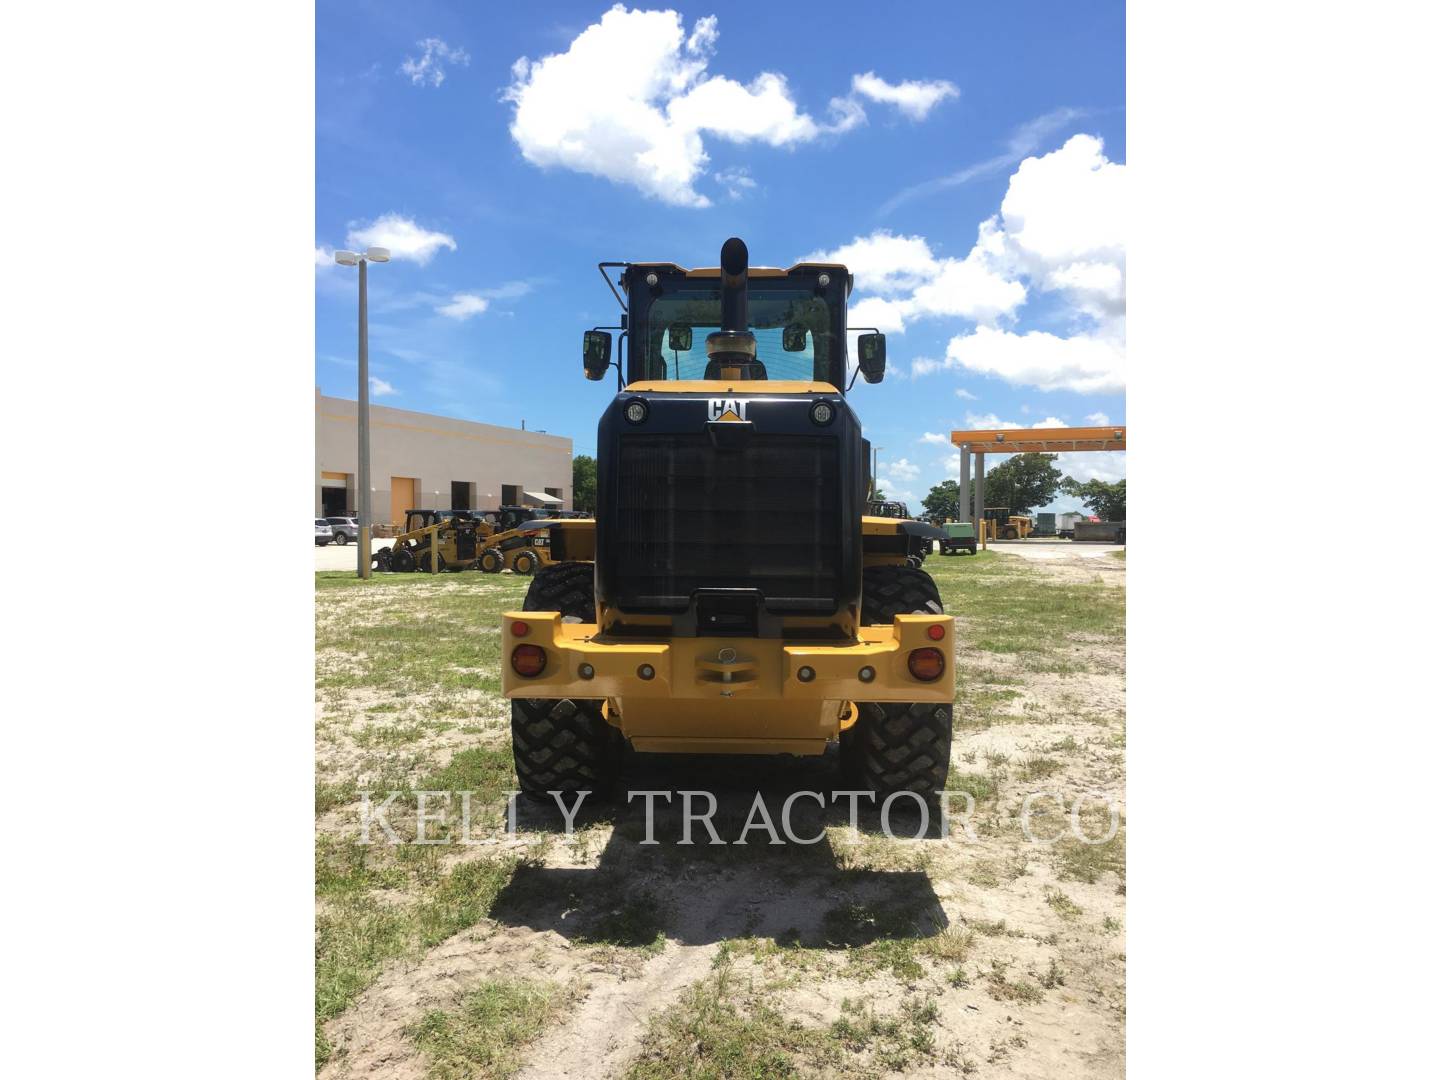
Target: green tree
(1105, 501)
(1023, 482)
(582, 483)
(944, 500)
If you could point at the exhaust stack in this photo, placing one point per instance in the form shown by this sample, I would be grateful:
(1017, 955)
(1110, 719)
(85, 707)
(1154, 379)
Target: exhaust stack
(731, 350)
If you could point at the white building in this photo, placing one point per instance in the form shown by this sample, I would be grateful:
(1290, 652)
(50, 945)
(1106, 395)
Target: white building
(433, 462)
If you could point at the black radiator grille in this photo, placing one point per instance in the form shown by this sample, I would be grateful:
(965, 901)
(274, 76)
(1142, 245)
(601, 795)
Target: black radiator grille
(691, 516)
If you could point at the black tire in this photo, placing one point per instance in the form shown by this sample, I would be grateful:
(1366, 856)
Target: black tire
(381, 560)
(897, 590)
(490, 561)
(562, 744)
(340, 539)
(525, 563)
(566, 587)
(898, 745)
(423, 561)
(402, 560)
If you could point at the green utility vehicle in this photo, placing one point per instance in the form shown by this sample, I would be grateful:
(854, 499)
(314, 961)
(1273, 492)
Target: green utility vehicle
(959, 536)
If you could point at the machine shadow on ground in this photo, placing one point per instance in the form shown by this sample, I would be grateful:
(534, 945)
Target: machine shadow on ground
(815, 894)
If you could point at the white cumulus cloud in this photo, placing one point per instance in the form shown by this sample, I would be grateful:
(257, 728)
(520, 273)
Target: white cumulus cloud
(404, 238)
(736, 181)
(632, 99)
(984, 421)
(1060, 229)
(463, 305)
(1064, 218)
(1085, 363)
(901, 470)
(914, 99)
(381, 388)
(934, 438)
(1097, 419)
(976, 287)
(429, 67)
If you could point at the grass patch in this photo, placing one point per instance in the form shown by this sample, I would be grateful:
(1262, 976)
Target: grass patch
(1039, 768)
(728, 1027)
(635, 922)
(894, 1042)
(329, 796)
(1009, 608)
(413, 633)
(1062, 905)
(1076, 861)
(719, 1030)
(979, 786)
(1002, 988)
(481, 1038)
(357, 931)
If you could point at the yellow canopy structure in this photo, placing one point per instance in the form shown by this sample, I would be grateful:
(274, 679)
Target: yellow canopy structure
(1022, 441)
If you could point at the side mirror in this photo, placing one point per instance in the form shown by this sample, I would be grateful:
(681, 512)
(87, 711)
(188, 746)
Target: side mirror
(872, 357)
(681, 338)
(793, 339)
(597, 354)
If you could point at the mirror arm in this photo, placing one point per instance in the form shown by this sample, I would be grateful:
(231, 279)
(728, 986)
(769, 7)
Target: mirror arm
(618, 298)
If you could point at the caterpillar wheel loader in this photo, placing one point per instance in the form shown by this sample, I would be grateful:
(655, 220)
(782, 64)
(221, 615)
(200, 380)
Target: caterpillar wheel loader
(740, 599)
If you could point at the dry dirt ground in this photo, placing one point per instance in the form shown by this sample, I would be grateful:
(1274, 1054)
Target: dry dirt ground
(994, 954)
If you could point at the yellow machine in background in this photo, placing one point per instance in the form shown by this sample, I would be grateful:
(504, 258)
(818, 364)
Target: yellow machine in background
(436, 541)
(537, 544)
(1000, 524)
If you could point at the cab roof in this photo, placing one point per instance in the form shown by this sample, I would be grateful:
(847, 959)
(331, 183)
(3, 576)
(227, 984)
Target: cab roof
(754, 271)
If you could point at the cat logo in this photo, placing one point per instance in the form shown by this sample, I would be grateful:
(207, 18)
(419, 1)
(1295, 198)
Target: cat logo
(727, 410)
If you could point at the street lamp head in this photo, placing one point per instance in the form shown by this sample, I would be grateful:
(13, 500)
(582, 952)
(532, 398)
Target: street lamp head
(377, 254)
(347, 258)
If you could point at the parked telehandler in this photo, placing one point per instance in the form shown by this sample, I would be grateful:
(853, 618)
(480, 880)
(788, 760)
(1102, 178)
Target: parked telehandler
(740, 601)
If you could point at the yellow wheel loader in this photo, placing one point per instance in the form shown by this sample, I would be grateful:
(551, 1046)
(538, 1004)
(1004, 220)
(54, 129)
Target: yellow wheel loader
(739, 599)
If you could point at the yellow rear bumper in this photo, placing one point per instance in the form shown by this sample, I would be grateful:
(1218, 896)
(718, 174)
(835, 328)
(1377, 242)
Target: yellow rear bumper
(727, 695)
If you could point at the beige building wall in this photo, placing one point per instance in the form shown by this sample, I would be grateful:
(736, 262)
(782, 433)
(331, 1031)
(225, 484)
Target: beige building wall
(435, 451)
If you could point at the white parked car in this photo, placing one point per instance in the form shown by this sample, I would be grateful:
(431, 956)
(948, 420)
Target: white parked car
(346, 530)
(323, 533)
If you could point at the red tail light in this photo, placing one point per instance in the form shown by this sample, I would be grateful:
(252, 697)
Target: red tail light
(927, 665)
(529, 660)
(519, 628)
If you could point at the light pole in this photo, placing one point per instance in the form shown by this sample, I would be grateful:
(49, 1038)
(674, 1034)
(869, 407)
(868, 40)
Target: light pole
(355, 258)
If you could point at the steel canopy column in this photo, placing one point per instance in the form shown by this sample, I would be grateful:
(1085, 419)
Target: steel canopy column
(964, 511)
(978, 517)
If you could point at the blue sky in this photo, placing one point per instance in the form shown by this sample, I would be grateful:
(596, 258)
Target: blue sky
(966, 160)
